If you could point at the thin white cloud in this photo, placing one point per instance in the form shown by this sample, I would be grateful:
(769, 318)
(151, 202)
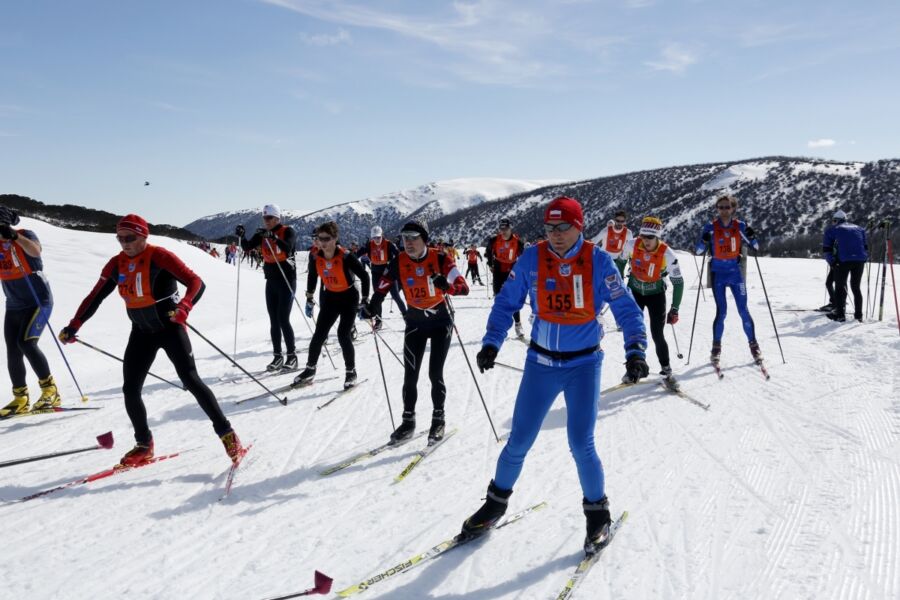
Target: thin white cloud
(325, 39)
(820, 143)
(674, 57)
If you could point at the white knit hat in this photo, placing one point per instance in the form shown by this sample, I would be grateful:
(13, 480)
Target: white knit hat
(651, 226)
(271, 210)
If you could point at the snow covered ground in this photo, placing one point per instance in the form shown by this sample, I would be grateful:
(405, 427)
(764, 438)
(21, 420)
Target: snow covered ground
(784, 489)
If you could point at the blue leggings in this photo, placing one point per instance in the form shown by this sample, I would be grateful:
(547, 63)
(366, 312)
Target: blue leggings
(540, 386)
(734, 281)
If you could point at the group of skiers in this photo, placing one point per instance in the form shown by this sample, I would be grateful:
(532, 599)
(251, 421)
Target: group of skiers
(567, 280)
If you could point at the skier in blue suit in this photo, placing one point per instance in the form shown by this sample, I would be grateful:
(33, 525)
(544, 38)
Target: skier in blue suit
(852, 252)
(568, 281)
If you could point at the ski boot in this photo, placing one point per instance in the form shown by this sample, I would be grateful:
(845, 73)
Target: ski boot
(350, 379)
(668, 379)
(826, 308)
(19, 404)
(835, 315)
(520, 332)
(49, 395)
(305, 378)
(756, 352)
(276, 363)
(290, 362)
(491, 511)
(406, 429)
(598, 522)
(139, 455)
(436, 433)
(716, 353)
(233, 447)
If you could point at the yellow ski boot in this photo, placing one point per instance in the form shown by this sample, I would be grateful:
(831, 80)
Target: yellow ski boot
(19, 404)
(49, 395)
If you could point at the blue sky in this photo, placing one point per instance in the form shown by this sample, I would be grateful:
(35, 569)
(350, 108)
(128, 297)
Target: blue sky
(226, 104)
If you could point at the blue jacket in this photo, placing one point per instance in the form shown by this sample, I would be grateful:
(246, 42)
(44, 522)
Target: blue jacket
(719, 265)
(850, 240)
(607, 287)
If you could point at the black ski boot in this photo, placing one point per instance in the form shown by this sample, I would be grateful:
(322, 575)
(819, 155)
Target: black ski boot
(826, 308)
(835, 315)
(756, 352)
(436, 433)
(716, 353)
(491, 511)
(290, 364)
(668, 379)
(350, 379)
(598, 522)
(276, 363)
(305, 378)
(406, 430)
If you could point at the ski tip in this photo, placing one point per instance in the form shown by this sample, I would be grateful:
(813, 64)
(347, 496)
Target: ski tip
(105, 440)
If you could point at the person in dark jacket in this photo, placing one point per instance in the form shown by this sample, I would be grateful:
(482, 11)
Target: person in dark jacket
(379, 251)
(846, 250)
(278, 243)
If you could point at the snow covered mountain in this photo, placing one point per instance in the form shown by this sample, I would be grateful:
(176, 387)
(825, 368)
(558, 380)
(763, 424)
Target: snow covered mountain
(789, 201)
(788, 488)
(428, 202)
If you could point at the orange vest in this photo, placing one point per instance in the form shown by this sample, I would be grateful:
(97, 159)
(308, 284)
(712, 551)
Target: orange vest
(506, 251)
(615, 241)
(415, 277)
(271, 252)
(472, 256)
(565, 290)
(134, 279)
(647, 266)
(331, 270)
(8, 268)
(378, 253)
(726, 240)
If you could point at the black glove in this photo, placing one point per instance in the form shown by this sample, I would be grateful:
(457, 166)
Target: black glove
(636, 367)
(750, 233)
(707, 236)
(440, 282)
(8, 232)
(67, 334)
(365, 311)
(240, 231)
(672, 317)
(486, 357)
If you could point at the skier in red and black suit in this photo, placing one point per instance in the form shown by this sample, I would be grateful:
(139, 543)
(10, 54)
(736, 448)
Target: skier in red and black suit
(472, 258)
(278, 244)
(501, 253)
(146, 278)
(338, 268)
(425, 276)
(379, 252)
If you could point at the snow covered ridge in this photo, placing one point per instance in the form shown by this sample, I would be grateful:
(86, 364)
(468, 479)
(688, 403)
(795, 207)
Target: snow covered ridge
(428, 202)
(789, 201)
(788, 488)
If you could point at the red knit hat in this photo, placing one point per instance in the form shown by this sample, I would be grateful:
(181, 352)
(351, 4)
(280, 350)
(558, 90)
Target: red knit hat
(567, 210)
(134, 223)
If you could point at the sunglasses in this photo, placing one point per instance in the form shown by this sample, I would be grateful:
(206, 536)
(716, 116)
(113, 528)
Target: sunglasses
(648, 237)
(558, 227)
(724, 207)
(325, 239)
(410, 235)
(618, 222)
(126, 239)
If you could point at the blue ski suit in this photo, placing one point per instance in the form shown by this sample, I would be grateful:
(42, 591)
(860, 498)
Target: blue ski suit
(546, 377)
(726, 273)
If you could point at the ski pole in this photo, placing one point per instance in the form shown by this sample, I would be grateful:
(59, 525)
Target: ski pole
(699, 277)
(887, 228)
(113, 356)
(104, 442)
(696, 304)
(471, 370)
(387, 395)
(510, 367)
(34, 295)
(297, 302)
(322, 586)
(237, 296)
(675, 337)
(283, 401)
(771, 314)
(386, 345)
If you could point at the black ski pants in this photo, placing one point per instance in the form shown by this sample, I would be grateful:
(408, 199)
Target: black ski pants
(499, 278)
(414, 341)
(333, 306)
(829, 285)
(22, 329)
(472, 269)
(855, 270)
(656, 307)
(139, 355)
(279, 301)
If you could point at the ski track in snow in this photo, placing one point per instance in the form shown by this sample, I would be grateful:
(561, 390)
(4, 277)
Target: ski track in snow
(788, 488)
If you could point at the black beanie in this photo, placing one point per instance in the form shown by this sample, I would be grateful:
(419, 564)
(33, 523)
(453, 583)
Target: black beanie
(8, 216)
(419, 228)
